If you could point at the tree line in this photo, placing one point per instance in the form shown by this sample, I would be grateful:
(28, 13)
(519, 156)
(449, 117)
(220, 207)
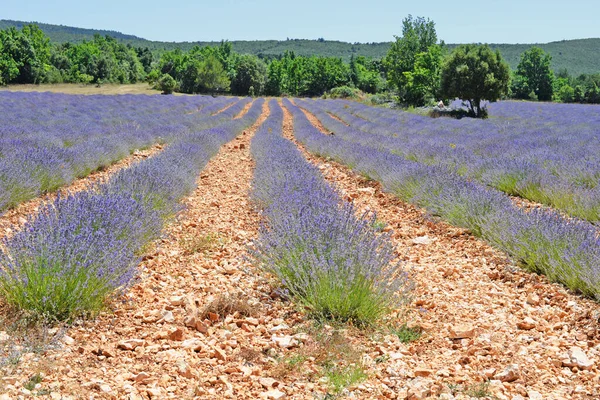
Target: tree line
(418, 69)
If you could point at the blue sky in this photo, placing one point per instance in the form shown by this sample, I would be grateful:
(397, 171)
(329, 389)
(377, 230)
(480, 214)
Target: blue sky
(510, 21)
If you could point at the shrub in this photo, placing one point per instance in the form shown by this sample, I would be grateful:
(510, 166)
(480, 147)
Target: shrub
(344, 92)
(167, 84)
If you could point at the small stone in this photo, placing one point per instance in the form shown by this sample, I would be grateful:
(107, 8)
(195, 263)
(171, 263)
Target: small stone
(151, 316)
(575, 357)
(130, 344)
(489, 373)
(424, 240)
(176, 300)
(533, 395)
(176, 334)
(142, 376)
(527, 324)
(461, 332)
(190, 321)
(184, 369)
(419, 389)
(68, 340)
(155, 393)
(279, 327)
(423, 372)
(213, 317)
(193, 344)
(105, 388)
(285, 342)
(10, 380)
(201, 327)
(273, 395)
(533, 299)
(219, 354)
(510, 374)
(106, 352)
(167, 317)
(252, 321)
(268, 382)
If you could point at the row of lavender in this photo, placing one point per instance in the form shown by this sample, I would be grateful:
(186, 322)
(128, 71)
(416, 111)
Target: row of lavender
(83, 248)
(327, 259)
(548, 153)
(565, 251)
(48, 140)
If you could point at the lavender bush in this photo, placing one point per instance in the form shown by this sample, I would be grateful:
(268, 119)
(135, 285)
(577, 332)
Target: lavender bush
(542, 240)
(327, 259)
(83, 248)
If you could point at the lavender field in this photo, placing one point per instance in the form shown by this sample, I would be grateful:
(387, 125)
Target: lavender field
(86, 245)
(48, 140)
(447, 166)
(547, 153)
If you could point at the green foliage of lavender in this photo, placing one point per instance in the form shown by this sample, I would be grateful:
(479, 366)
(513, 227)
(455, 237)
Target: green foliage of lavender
(83, 249)
(327, 259)
(543, 241)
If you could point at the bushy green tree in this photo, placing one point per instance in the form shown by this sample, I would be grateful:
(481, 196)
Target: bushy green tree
(365, 74)
(206, 75)
(418, 37)
(475, 73)
(566, 94)
(166, 83)
(423, 82)
(250, 75)
(323, 74)
(25, 55)
(9, 68)
(535, 74)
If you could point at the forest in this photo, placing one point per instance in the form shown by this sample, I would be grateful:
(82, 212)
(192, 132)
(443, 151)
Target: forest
(410, 73)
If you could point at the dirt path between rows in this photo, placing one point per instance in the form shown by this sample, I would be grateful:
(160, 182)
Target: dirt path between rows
(484, 319)
(13, 219)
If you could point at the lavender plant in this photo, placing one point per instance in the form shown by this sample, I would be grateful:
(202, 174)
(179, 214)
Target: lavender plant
(329, 260)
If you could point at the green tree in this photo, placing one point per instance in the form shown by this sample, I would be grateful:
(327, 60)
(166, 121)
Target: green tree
(167, 84)
(9, 68)
(566, 94)
(205, 75)
(250, 72)
(535, 73)
(25, 55)
(418, 36)
(276, 76)
(323, 74)
(475, 73)
(423, 82)
(578, 94)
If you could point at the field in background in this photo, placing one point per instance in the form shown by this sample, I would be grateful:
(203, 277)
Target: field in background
(76, 88)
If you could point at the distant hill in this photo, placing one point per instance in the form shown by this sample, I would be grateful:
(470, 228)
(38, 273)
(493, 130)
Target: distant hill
(577, 56)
